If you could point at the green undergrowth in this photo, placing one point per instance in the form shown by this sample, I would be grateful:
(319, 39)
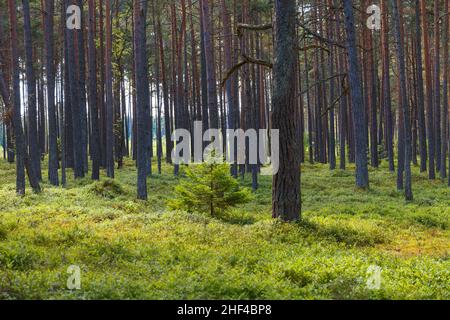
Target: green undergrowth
(131, 249)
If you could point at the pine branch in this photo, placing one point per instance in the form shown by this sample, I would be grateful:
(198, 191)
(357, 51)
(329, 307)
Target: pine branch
(251, 27)
(246, 60)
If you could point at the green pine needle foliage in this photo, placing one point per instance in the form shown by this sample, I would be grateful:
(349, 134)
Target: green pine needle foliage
(209, 188)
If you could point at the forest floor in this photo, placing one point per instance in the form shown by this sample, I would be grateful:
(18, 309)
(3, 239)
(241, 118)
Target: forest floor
(129, 249)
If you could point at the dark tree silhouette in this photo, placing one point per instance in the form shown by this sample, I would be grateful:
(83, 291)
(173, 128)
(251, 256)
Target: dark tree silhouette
(404, 100)
(49, 10)
(286, 183)
(359, 118)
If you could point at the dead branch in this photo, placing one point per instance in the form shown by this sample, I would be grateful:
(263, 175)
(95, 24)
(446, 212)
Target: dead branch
(251, 27)
(343, 75)
(246, 60)
(313, 46)
(321, 38)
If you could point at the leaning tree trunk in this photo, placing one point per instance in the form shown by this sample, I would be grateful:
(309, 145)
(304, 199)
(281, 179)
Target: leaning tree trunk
(359, 121)
(286, 183)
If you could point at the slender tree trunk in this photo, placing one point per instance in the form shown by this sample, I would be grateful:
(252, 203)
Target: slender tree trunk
(17, 119)
(373, 67)
(444, 109)
(31, 90)
(420, 93)
(400, 124)
(68, 120)
(158, 96)
(429, 91)
(404, 102)
(50, 76)
(437, 84)
(331, 68)
(229, 86)
(210, 65)
(362, 174)
(310, 111)
(167, 124)
(203, 73)
(101, 96)
(343, 121)
(109, 93)
(82, 88)
(93, 98)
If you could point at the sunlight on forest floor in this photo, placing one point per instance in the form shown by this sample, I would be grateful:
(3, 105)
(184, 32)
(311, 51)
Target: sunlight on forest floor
(132, 249)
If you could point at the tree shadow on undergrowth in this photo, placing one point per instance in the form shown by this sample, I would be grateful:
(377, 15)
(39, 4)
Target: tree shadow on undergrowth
(237, 217)
(353, 234)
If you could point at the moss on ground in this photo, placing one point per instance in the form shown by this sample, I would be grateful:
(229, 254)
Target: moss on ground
(133, 249)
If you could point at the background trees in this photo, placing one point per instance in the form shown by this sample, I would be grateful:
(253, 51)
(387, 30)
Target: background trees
(134, 72)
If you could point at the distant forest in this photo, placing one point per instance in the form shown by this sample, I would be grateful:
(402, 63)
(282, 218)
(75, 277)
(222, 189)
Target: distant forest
(85, 84)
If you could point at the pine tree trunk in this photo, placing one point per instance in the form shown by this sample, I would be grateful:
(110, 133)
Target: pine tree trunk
(420, 93)
(362, 174)
(286, 203)
(203, 73)
(142, 95)
(429, 91)
(15, 101)
(109, 92)
(167, 124)
(444, 109)
(31, 91)
(210, 66)
(404, 100)
(82, 88)
(50, 77)
(74, 90)
(93, 98)
(437, 84)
